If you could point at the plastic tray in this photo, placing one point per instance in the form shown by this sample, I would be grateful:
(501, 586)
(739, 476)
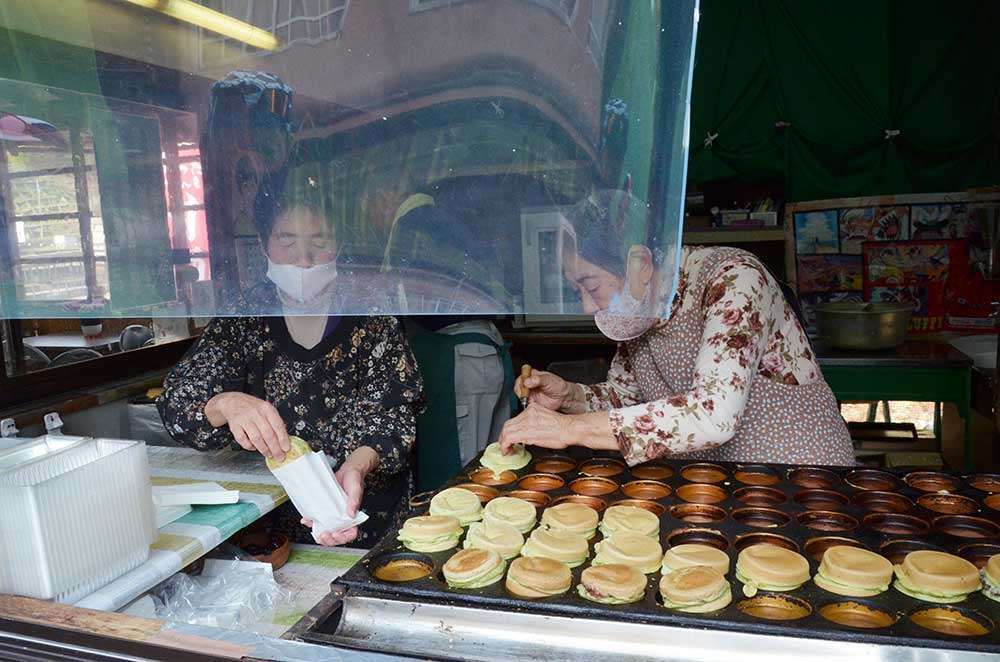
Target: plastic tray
(75, 514)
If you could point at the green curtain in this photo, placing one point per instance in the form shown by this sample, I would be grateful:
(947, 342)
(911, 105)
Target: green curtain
(880, 97)
(732, 99)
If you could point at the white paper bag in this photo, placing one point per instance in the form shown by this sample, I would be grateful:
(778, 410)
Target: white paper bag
(316, 494)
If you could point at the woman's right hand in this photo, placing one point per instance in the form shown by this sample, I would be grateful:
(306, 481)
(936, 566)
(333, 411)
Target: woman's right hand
(545, 389)
(254, 423)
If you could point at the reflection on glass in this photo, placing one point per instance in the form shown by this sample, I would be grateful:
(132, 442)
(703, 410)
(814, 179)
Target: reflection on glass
(438, 142)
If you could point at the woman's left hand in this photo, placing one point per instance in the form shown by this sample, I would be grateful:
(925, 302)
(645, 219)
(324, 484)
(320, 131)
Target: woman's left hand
(351, 477)
(537, 426)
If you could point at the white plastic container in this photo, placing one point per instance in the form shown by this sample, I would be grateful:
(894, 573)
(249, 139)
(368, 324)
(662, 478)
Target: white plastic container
(75, 514)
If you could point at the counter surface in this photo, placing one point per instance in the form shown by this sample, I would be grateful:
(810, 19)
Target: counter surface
(911, 354)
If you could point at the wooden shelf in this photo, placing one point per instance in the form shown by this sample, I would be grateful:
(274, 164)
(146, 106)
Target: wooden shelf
(733, 236)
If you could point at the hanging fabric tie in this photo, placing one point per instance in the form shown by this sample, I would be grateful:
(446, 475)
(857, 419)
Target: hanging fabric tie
(891, 133)
(709, 139)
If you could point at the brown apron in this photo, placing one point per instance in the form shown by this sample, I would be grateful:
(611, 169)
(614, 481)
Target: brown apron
(781, 423)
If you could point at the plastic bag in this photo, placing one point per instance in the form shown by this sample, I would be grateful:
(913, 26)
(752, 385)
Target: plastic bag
(146, 425)
(232, 594)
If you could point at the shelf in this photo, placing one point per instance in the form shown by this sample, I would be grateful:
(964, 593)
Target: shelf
(734, 236)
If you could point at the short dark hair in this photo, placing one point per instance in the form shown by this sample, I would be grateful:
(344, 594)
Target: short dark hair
(600, 222)
(280, 192)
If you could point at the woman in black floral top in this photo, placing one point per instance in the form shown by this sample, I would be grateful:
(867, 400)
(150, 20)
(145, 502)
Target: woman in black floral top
(349, 386)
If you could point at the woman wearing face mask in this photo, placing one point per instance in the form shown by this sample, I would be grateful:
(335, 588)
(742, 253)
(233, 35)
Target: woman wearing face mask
(728, 375)
(349, 386)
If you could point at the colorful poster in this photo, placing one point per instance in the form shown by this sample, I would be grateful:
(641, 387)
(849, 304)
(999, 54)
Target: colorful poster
(915, 272)
(946, 221)
(828, 273)
(905, 262)
(863, 224)
(913, 294)
(816, 232)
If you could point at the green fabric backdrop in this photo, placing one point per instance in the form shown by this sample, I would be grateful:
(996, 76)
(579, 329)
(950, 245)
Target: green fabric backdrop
(841, 75)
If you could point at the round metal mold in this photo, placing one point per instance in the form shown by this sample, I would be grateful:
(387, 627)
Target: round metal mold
(895, 524)
(966, 526)
(882, 502)
(537, 499)
(646, 489)
(813, 478)
(816, 547)
(399, 567)
(821, 500)
(948, 504)
(992, 502)
(932, 481)
(656, 508)
(761, 518)
(702, 472)
(421, 499)
(872, 479)
(485, 476)
(602, 467)
(750, 539)
(896, 550)
(652, 471)
(701, 493)
(596, 503)
(698, 513)
(699, 536)
(554, 464)
(757, 474)
(484, 492)
(857, 615)
(952, 621)
(760, 497)
(775, 607)
(979, 553)
(827, 520)
(593, 486)
(985, 482)
(541, 482)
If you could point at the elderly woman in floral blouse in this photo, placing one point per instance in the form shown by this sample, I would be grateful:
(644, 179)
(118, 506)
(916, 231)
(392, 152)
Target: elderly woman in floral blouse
(349, 386)
(728, 375)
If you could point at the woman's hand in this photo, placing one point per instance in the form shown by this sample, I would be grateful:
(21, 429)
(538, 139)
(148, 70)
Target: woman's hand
(351, 477)
(254, 423)
(545, 389)
(538, 426)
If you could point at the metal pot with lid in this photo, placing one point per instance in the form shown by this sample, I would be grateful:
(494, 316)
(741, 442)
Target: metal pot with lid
(851, 325)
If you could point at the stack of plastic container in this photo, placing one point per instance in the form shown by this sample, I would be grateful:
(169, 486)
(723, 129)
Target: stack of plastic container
(75, 514)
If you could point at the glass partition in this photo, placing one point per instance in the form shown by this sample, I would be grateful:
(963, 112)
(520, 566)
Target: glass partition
(166, 160)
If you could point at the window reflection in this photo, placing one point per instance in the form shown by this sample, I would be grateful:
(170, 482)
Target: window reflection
(442, 138)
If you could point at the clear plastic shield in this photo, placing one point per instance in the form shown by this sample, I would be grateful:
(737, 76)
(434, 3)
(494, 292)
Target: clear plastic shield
(410, 157)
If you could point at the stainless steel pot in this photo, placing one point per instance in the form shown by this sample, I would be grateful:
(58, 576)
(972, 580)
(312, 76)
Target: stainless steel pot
(849, 325)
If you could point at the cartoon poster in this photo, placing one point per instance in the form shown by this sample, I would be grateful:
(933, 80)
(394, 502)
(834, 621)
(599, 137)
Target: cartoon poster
(816, 232)
(943, 221)
(859, 225)
(827, 273)
(913, 294)
(914, 272)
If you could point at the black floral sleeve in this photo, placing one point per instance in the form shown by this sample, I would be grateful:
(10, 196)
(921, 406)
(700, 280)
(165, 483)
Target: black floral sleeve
(388, 398)
(216, 363)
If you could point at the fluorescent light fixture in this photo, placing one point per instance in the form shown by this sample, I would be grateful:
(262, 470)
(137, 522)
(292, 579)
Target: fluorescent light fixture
(209, 19)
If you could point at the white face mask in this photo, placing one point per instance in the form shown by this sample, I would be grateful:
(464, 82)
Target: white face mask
(302, 284)
(626, 317)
